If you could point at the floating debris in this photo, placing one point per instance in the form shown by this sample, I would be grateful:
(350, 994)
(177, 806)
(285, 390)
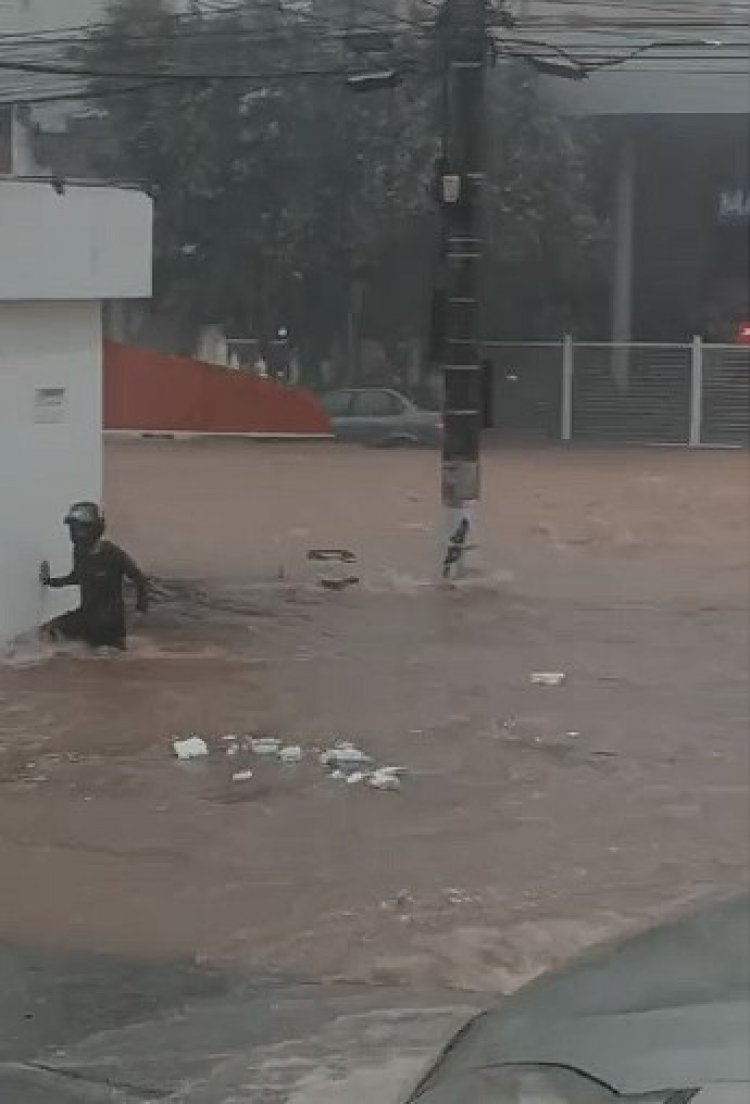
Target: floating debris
(242, 776)
(290, 754)
(334, 561)
(265, 745)
(339, 584)
(191, 748)
(548, 678)
(384, 779)
(335, 555)
(345, 755)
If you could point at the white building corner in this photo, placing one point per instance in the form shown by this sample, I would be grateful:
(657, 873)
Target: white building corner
(63, 250)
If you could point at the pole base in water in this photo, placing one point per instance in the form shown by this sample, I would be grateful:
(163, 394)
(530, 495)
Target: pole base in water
(459, 548)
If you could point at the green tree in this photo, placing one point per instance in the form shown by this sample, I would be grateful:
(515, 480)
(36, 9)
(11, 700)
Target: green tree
(273, 193)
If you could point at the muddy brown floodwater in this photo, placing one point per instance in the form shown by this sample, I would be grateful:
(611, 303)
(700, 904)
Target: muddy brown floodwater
(533, 820)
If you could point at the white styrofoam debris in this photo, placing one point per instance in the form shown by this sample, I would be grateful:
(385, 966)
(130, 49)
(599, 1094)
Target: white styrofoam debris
(355, 778)
(291, 754)
(384, 780)
(233, 750)
(339, 775)
(345, 756)
(548, 678)
(242, 776)
(265, 745)
(191, 748)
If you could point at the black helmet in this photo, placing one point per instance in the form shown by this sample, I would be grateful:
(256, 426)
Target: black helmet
(86, 524)
(85, 515)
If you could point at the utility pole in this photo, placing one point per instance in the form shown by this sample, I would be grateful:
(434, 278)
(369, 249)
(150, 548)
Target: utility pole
(460, 188)
(353, 304)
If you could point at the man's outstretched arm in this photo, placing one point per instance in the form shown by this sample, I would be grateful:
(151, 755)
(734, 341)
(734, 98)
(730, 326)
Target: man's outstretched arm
(132, 571)
(59, 581)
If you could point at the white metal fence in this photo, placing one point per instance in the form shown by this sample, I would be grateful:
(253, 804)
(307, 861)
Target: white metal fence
(692, 394)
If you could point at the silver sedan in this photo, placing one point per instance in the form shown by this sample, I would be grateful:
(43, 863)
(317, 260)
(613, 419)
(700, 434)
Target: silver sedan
(381, 416)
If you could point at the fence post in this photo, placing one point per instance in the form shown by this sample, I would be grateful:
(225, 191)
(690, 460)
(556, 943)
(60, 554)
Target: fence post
(696, 391)
(566, 405)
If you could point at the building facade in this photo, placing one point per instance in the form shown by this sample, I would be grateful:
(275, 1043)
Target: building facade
(672, 115)
(63, 249)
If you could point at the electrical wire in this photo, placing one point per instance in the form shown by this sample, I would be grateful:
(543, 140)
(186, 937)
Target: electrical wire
(583, 57)
(85, 31)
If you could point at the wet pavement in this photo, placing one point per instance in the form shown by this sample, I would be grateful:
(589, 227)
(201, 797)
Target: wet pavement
(532, 821)
(79, 1028)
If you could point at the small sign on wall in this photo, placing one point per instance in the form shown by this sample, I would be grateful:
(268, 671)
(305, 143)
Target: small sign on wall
(50, 405)
(734, 205)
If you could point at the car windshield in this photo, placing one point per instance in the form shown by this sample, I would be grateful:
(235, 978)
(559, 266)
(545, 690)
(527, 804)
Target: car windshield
(337, 403)
(374, 532)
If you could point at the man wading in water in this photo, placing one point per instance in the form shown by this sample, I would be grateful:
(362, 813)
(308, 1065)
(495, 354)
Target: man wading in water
(99, 568)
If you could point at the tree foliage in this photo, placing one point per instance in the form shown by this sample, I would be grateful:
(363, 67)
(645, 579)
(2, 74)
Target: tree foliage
(274, 193)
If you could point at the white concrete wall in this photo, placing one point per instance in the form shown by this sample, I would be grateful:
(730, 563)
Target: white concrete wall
(50, 451)
(85, 242)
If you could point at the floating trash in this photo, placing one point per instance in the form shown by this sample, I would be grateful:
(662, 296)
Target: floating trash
(242, 776)
(334, 561)
(339, 584)
(335, 555)
(384, 779)
(290, 754)
(345, 755)
(548, 678)
(191, 748)
(265, 745)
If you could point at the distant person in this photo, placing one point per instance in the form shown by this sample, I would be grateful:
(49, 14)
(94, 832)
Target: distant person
(99, 569)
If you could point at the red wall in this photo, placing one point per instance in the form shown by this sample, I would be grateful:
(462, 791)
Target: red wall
(144, 390)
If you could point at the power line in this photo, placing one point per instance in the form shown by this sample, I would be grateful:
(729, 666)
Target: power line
(583, 56)
(96, 29)
(166, 76)
(83, 96)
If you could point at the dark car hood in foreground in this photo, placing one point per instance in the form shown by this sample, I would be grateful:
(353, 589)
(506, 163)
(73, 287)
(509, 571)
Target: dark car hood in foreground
(669, 1010)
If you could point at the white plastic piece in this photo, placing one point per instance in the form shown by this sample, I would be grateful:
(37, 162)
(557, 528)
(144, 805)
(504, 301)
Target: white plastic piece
(355, 778)
(345, 756)
(384, 779)
(291, 754)
(265, 745)
(242, 776)
(191, 748)
(548, 678)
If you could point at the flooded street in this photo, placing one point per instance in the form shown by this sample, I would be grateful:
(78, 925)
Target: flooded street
(532, 820)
